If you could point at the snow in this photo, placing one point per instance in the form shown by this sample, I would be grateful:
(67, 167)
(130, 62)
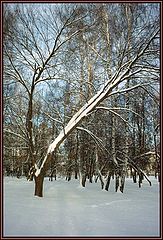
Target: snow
(67, 209)
(37, 170)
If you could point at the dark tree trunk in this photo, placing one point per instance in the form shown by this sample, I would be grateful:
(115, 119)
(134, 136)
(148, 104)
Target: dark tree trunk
(134, 176)
(91, 170)
(55, 176)
(107, 182)
(116, 182)
(122, 183)
(83, 180)
(90, 179)
(140, 179)
(102, 182)
(96, 178)
(51, 177)
(39, 185)
(69, 177)
(76, 174)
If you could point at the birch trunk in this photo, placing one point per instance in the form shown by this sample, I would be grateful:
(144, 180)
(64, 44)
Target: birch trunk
(124, 168)
(98, 170)
(82, 167)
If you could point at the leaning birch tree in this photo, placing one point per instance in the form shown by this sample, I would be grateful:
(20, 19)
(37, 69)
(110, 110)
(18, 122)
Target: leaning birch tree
(125, 71)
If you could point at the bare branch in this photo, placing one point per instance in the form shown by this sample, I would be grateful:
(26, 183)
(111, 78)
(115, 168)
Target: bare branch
(20, 79)
(119, 108)
(53, 118)
(126, 122)
(15, 134)
(146, 154)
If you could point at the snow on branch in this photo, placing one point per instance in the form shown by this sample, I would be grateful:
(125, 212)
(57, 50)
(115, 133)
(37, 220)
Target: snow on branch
(125, 90)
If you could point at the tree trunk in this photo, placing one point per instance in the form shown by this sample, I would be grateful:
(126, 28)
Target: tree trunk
(68, 176)
(91, 171)
(140, 179)
(101, 180)
(108, 182)
(39, 185)
(76, 174)
(122, 182)
(134, 176)
(116, 182)
(83, 181)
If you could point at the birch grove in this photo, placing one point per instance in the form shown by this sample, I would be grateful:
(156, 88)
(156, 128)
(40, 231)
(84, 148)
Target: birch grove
(79, 71)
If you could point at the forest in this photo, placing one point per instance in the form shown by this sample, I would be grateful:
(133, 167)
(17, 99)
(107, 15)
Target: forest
(81, 92)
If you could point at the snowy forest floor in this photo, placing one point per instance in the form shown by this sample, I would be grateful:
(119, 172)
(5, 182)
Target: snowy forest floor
(70, 210)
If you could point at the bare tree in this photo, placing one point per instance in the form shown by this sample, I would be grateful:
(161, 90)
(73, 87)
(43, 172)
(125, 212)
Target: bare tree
(35, 55)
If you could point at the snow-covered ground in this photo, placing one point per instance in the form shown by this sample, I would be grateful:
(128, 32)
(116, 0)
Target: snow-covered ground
(70, 210)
